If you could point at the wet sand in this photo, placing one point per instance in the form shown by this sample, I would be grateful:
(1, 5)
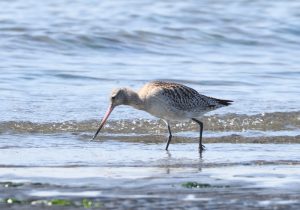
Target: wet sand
(126, 175)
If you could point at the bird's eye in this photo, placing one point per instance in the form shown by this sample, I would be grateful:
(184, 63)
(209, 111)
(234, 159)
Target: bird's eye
(113, 97)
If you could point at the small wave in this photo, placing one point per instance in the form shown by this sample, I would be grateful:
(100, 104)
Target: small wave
(162, 42)
(235, 139)
(230, 122)
(158, 164)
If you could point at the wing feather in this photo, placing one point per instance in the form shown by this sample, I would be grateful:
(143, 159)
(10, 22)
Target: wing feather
(184, 98)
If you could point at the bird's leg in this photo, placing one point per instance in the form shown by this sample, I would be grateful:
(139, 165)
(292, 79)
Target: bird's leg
(170, 134)
(201, 146)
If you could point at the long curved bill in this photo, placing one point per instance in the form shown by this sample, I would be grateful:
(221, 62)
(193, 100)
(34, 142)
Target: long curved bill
(110, 109)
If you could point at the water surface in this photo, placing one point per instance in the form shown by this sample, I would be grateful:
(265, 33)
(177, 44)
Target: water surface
(61, 59)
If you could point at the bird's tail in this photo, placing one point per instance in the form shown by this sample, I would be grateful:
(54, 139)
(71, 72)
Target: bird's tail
(224, 102)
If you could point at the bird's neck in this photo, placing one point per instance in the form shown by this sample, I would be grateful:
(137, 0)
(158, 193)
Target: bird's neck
(134, 100)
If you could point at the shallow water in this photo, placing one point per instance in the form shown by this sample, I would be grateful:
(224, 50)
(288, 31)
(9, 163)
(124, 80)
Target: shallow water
(121, 174)
(61, 59)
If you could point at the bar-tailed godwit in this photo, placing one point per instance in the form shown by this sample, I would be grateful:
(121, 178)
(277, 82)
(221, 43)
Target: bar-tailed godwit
(168, 101)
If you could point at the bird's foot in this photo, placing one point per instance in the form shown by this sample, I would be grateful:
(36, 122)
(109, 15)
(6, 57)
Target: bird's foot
(201, 148)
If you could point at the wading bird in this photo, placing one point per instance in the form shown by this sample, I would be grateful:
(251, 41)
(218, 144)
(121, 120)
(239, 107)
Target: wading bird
(168, 101)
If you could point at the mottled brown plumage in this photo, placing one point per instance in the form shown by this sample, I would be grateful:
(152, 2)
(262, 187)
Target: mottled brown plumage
(168, 101)
(185, 98)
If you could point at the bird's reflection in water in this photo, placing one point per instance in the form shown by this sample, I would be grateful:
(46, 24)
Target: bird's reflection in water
(168, 162)
(168, 154)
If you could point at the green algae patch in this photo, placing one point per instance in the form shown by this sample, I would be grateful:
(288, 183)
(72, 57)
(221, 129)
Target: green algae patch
(201, 185)
(89, 203)
(86, 203)
(60, 202)
(195, 185)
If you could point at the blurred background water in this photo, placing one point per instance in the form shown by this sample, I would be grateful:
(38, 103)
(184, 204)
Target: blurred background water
(60, 59)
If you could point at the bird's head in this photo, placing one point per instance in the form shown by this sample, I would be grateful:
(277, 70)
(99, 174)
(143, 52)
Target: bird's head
(120, 96)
